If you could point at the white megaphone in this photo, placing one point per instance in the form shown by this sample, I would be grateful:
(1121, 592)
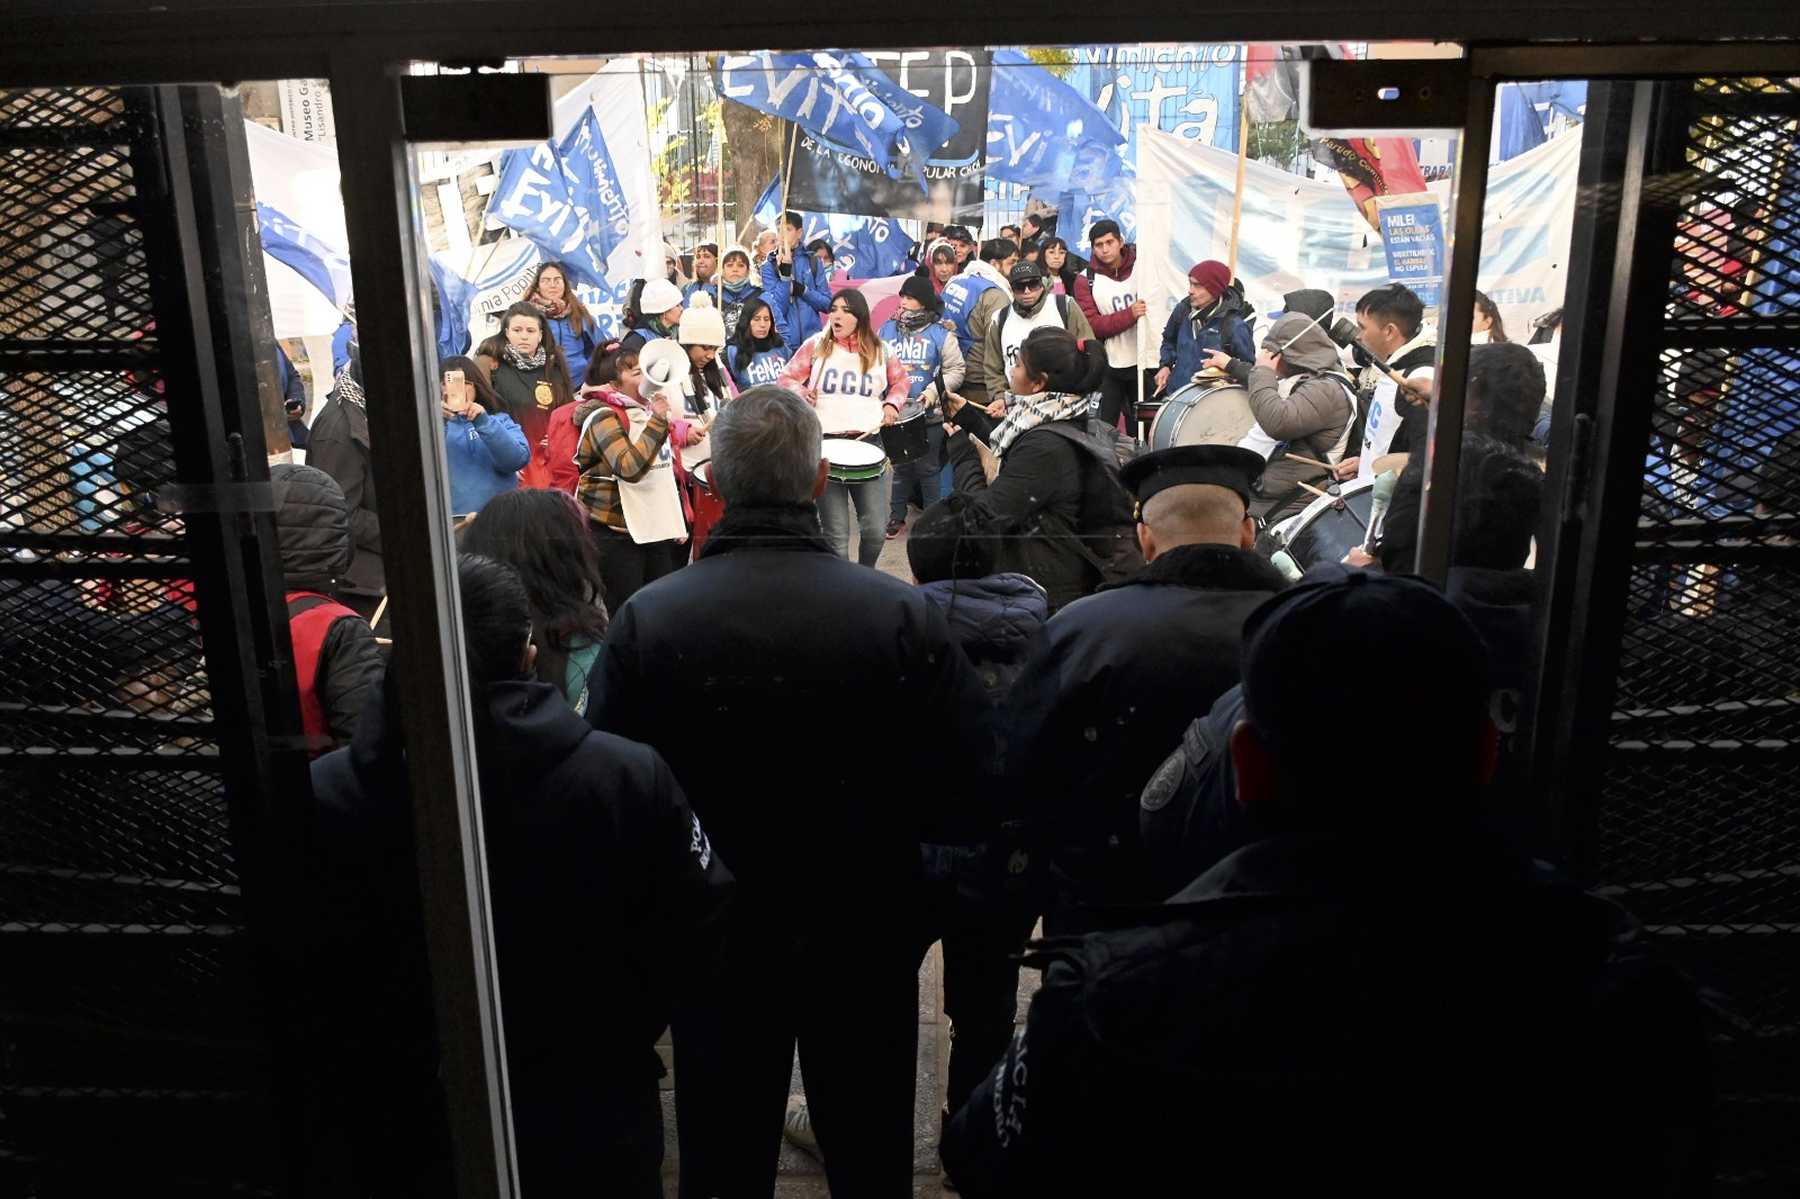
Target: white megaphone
(665, 365)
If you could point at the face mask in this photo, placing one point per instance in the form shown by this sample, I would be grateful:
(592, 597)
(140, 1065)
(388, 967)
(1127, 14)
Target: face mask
(913, 320)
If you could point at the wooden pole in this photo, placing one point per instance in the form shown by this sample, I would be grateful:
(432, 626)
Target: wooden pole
(719, 258)
(1237, 197)
(787, 174)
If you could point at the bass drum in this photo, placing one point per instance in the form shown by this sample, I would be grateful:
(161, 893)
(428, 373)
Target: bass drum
(1326, 529)
(1203, 414)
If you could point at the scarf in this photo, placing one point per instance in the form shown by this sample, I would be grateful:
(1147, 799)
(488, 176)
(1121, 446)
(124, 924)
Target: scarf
(658, 328)
(556, 310)
(1028, 412)
(349, 389)
(524, 362)
(916, 320)
(1198, 319)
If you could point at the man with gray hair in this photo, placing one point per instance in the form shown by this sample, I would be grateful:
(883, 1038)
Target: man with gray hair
(1117, 676)
(771, 675)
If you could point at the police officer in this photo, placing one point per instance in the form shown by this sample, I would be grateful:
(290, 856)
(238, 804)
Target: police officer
(1372, 988)
(1118, 675)
(919, 339)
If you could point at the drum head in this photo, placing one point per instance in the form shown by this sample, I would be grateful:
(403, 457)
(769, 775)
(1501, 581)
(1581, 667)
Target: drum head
(1325, 532)
(852, 455)
(1201, 414)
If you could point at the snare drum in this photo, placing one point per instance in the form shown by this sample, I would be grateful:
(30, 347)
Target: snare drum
(1326, 529)
(1208, 413)
(708, 505)
(854, 461)
(906, 440)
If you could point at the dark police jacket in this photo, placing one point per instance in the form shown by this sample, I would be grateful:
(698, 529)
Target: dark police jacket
(607, 901)
(1105, 696)
(1319, 1016)
(788, 689)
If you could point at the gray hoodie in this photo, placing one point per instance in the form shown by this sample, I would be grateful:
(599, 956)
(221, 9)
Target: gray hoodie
(1311, 411)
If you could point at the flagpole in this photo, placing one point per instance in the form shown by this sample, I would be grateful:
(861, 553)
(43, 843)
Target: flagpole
(719, 258)
(1237, 197)
(787, 173)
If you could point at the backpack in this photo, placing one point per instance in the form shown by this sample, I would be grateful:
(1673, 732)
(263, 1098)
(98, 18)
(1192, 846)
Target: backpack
(310, 617)
(1107, 539)
(1062, 310)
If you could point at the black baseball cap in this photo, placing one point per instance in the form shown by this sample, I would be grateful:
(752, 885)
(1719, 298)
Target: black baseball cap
(1025, 271)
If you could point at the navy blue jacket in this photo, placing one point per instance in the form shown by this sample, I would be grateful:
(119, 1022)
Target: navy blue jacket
(1184, 347)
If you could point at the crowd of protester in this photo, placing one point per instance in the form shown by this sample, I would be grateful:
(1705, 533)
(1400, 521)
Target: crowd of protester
(736, 785)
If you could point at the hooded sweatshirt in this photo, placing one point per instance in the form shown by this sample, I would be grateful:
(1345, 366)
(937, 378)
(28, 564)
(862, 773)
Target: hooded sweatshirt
(1310, 301)
(338, 665)
(1107, 306)
(1311, 409)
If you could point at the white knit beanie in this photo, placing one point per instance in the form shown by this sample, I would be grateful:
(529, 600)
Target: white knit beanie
(701, 324)
(658, 296)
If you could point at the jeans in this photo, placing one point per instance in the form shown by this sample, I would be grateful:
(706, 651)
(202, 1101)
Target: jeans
(871, 500)
(923, 477)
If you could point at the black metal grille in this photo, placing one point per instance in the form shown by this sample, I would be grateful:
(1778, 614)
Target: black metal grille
(1699, 816)
(126, 1000)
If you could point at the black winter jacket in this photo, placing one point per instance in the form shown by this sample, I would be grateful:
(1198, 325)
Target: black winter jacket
(1313, 1014)
(782, 684)
(607, 900)
(312, 522)
(339, 445)
(995, 619)
(1033, 508)
(1107, 692)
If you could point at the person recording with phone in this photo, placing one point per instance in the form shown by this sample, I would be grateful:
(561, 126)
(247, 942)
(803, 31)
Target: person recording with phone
(484, 449)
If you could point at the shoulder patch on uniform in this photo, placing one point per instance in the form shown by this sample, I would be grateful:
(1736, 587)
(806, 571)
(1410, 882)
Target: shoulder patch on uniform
(1164, 783)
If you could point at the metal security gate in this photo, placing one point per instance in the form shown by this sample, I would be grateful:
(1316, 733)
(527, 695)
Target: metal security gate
(1673, 770)
(143, 771)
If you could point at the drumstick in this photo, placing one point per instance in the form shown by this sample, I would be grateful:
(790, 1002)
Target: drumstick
(1324, 495)
(379, 610)
(1305, 461)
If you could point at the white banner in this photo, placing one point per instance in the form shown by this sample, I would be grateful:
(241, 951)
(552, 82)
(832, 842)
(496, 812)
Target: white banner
(306, 110)
(300, 179)
(1298, 233)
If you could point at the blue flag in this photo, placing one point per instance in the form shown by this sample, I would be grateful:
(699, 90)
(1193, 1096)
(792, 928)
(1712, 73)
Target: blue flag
(567, 198)
(843, 99)
(863, 247)
(313, 260)
(1521, 128)
(1044, 133)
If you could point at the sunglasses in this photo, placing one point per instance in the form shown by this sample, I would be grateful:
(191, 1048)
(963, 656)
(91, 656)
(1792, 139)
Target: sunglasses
(1029, 285)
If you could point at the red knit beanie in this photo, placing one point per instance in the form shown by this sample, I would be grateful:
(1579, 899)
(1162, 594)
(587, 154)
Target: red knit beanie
(1213, 275)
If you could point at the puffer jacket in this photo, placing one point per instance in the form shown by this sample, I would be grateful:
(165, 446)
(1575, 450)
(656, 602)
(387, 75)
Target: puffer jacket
(338, 444)
(1312, 411)
(312, 522)
(994, 620)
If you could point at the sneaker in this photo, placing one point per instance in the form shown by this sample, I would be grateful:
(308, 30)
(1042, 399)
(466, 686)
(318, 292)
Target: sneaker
(797, 1129)
(894, 529)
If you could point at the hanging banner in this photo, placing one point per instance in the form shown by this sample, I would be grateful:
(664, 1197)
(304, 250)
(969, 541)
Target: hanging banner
(1189, 92)
(306, 110)
(1303, 233)
(829, 177)
(300, 212)
(1412, 234)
